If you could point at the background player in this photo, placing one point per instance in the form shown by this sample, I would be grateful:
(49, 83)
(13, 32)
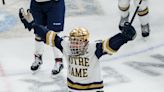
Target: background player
(49, 13)
(83, 74)
(143, 14)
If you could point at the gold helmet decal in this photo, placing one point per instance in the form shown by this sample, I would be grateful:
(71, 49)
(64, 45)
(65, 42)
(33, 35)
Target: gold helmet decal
(80, 33)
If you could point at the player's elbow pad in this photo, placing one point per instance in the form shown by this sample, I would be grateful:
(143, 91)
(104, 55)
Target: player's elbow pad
(40, 30)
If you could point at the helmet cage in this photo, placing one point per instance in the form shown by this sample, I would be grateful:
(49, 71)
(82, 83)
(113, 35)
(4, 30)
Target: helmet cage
(78, 45)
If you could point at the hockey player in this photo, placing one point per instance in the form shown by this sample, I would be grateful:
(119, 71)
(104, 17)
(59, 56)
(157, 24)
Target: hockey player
(143, 12)
(84, 73)
(49, 13)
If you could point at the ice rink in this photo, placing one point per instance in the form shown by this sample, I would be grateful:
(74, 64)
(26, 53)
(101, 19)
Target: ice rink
(137, 67)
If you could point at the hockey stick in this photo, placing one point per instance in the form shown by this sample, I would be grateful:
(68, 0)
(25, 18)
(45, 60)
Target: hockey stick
(3, 1)
(135, 12)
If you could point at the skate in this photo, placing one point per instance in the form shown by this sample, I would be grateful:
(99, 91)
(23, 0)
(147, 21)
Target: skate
(145, 30)
(58, 66)
(36, 64)
(122, 21)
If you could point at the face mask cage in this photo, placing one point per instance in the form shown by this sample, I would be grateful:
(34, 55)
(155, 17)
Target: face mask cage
(77, 46)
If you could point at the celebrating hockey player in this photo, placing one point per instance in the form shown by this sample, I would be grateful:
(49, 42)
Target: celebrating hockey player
(143, 14)
(82, 56)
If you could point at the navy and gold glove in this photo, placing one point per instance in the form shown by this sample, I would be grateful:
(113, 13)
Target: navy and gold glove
(26, 18)
(128, 31)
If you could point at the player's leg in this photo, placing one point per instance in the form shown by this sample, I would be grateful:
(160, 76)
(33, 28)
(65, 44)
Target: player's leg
(38, 54)
(55, 21)
(58, 61)
(143, 14)
(123, 6)
(39, 19)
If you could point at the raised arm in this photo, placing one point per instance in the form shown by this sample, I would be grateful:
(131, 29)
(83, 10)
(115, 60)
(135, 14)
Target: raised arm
(114, 43)
(49, 37)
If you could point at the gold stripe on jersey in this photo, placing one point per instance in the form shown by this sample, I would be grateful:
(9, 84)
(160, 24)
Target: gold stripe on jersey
(124, 8)
(50, 37)
(90, 86)
(107, 48)
(143, 12)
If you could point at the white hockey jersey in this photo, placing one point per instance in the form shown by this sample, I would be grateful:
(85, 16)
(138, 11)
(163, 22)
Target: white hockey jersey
(84, 73)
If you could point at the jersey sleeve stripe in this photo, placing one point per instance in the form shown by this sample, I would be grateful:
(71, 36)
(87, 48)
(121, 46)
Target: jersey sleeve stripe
(107, 48)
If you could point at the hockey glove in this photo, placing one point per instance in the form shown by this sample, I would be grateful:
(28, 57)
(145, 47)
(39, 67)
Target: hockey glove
(128, 31)
(26, 18)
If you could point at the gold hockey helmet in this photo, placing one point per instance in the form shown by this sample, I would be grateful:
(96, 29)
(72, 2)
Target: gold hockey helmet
(81, 33)
(79, 38)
